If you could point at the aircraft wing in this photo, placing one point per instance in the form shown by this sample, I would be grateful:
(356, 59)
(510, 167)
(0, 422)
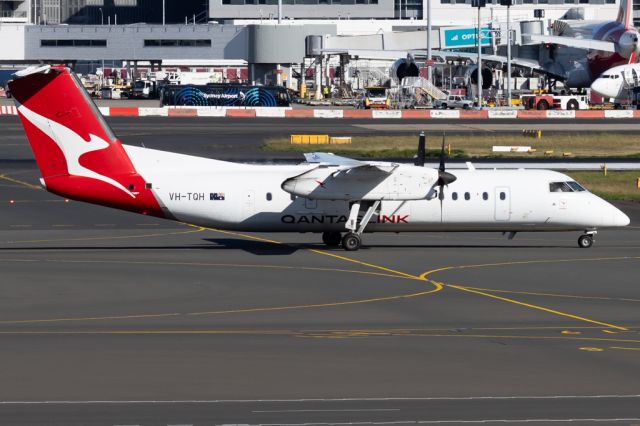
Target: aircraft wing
(340, 178)
(327, 159)
(579, 43)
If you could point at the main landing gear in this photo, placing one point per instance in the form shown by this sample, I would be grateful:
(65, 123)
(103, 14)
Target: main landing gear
(586, 240)
(352, 240)
(332, 238)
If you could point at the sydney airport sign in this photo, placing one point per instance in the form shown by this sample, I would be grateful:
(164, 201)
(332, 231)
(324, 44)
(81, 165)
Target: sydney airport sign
(454, 37)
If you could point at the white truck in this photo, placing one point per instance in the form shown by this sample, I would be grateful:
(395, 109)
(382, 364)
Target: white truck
(453, 101)
(145, 89)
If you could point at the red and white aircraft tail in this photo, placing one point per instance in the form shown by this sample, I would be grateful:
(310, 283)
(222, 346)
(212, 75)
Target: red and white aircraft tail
(625, 14)
(77, 153)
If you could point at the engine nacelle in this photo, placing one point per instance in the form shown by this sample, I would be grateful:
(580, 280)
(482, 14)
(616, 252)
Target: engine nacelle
(404, 67)
(628, 44)
(487, 76)
(367, 184)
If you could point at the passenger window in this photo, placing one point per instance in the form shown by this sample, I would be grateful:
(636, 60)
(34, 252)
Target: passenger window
(454, 196)
(503, 196)
(467, 196)
(485, 196)
(269, 196)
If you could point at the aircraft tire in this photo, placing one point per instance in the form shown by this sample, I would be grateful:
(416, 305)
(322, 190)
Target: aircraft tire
(332, 238)
(351, 241)
(585, 241)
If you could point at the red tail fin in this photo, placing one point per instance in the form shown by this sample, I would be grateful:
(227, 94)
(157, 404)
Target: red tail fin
(625, 13)
(78, 155)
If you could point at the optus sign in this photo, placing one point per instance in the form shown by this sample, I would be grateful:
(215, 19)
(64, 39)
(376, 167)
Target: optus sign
(453, 37)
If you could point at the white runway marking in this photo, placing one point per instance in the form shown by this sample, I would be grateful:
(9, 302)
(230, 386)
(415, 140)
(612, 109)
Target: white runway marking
(346, 410)
(225, 401)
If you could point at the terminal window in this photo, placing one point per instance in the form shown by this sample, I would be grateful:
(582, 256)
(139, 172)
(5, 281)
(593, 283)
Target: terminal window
(73, 43)
(299, 2)
(178, 43)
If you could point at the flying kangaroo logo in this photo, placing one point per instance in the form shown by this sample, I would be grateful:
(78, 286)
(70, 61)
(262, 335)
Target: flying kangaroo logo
(73, 146)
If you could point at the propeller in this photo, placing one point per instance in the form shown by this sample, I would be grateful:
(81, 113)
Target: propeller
(421, 151)
(444, 177)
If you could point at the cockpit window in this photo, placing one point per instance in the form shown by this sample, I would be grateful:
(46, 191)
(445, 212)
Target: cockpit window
(565, 187)
(576, 186)
(559, 187)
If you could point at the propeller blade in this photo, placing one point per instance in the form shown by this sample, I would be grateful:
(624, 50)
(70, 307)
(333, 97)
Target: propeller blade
(441, 168)
(444, 177)
(421, 151)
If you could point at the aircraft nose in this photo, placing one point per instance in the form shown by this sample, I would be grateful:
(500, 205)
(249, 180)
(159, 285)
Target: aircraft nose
(618, 218)
(599, 87)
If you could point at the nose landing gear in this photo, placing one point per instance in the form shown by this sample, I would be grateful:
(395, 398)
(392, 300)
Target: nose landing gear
(586, 240)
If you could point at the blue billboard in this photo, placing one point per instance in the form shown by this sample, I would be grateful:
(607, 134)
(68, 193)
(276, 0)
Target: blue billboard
(454, 37)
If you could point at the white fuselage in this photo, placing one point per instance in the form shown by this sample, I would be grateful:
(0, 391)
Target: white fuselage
(250, 197)
(617, 82)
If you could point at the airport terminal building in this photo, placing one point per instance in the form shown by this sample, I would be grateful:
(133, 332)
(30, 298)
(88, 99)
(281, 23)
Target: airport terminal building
(35, 31)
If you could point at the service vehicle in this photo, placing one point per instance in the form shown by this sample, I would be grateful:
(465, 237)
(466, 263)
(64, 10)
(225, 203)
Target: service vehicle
(376, 98)
(453, 101)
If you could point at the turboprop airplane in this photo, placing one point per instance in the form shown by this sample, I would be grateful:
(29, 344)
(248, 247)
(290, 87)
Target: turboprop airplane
(80, 158)
(618, 82)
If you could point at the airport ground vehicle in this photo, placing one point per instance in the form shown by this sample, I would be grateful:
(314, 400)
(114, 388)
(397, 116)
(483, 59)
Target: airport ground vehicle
(224, 95)
(550, 101)
(453, 101)
(82, 159)
(376, 98)
(145, 89)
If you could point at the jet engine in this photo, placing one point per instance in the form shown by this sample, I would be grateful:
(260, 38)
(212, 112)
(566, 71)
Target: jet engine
(487, 76)
(628, 45)
(404, 67)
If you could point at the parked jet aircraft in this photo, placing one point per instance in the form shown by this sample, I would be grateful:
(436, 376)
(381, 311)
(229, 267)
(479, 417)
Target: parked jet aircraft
(80, 158)
(576, 53)
(618, 82)
(607, 44)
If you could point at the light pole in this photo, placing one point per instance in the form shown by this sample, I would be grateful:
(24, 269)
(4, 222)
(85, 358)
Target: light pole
(279, 12)
(429, 57)
(163, 12)
(101, 16)
(479, 4)
(508, 3)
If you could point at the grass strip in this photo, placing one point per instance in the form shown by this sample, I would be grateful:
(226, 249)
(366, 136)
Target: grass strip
(477, 146)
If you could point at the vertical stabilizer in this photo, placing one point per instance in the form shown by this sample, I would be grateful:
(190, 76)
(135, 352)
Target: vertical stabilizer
(625, 13)
(78, 155)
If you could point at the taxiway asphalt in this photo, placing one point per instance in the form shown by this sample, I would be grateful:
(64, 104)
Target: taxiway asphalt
(112, 318)
(240, 139)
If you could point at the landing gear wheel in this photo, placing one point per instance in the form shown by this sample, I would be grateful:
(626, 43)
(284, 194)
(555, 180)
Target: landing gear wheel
(351, 241)
(585, 241)
(332, 238)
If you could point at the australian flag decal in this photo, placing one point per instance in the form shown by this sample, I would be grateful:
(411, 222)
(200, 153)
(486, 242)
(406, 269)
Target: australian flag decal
(216, 196)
